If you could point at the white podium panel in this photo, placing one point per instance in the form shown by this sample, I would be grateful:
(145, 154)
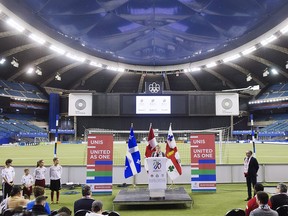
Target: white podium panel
(157, 179)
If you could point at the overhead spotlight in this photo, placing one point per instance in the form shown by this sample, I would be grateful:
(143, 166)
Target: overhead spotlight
(274, 71)
(286, 66)
(266, 72)
(248, 78)
(2, 60)
(15, 62)
(38, 71)
(30, 70)
(58, 77)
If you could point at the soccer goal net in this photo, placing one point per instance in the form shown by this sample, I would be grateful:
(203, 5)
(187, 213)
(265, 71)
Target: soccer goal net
(182, 138)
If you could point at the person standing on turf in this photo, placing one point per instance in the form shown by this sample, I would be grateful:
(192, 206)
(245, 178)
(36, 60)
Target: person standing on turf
(27, 182)
(39, 174)
(8, 175)
(55, 179)
(251, 167)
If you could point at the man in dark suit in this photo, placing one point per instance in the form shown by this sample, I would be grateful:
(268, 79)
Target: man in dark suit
(281, 197)
(251, 167)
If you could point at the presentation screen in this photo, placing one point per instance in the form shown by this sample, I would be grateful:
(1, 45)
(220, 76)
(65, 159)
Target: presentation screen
(153, 104)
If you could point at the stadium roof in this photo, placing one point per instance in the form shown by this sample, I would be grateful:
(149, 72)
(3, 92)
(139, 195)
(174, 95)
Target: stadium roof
(117, 45)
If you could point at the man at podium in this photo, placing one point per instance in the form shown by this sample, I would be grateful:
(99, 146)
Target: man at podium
(158, 152)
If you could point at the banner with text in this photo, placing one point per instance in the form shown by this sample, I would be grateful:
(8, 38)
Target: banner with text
(203, 163)
(100, 163)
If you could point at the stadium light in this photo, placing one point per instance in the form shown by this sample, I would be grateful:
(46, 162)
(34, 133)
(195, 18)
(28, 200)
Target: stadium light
(268, 40)
(56, 49)
(248, 78)
(266, 72)
(274, 71)
(231, 58)
(15, 62)
(75, 57)
(96, 64)
(30, 70)
(38, 71)
(58, 77)
(2, 61)
(210, 65)
(15, 25)
(284, 30)
(249, 50)
(286, 66)
(37, 38)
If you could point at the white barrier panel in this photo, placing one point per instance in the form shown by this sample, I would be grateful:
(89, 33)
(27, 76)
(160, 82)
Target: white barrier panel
(224, 174)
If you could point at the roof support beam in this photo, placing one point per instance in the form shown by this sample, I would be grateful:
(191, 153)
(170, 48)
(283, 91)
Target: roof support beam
(60, 72)
(90, 74)
(140, 86)
(113, 82)
(167, 84)
(193, 81)
(18, 49)
(8, 34)
(222, 78)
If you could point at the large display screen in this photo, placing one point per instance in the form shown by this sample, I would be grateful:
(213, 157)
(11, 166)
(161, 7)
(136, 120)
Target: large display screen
(153, 104)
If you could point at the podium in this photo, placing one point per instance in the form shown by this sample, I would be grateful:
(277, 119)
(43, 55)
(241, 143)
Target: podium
(157, 177)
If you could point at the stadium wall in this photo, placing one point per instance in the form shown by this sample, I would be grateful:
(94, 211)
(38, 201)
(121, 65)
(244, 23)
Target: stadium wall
(224, 173)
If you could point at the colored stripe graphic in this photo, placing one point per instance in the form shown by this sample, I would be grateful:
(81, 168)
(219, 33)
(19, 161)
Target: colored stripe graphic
(204, 178)
(203, 172)
(206, 161)
(99, 173)
(100, 180)
(103, 162)
(207, 166)
(103, 167)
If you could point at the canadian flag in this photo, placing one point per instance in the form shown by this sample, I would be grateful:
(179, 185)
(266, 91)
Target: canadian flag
(173, 164)
(150, 148)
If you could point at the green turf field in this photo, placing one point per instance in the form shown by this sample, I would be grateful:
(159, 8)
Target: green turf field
(75, 154)
(228, 196)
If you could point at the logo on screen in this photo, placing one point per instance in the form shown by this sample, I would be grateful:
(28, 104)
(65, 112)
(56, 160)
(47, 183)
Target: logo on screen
(154, 87)
(80, 104)
(227, 103)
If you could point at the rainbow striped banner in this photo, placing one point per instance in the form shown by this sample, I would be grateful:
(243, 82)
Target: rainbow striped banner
(203, 164)
(100, 163)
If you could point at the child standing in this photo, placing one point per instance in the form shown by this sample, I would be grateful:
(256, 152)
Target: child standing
(55, 179)
(8, 175)
(27, 182)
(39, 174)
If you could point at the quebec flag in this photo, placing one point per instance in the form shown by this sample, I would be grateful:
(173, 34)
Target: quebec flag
(132, 161)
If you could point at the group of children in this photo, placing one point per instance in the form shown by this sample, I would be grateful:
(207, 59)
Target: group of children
(55, 172)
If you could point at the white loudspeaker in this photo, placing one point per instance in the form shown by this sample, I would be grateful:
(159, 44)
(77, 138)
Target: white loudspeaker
(80, 104)
(227, 104)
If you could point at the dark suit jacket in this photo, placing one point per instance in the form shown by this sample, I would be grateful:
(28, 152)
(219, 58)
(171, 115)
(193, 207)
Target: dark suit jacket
(253, 167)
(161, 154)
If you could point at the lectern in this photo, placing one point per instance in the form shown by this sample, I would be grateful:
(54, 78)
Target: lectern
(157, 177)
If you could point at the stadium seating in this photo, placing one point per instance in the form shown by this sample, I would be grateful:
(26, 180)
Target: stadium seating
(21, 90)
(274, 91)
(11, 130)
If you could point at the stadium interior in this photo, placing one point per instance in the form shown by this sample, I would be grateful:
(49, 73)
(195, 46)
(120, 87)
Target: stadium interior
(116, 50)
